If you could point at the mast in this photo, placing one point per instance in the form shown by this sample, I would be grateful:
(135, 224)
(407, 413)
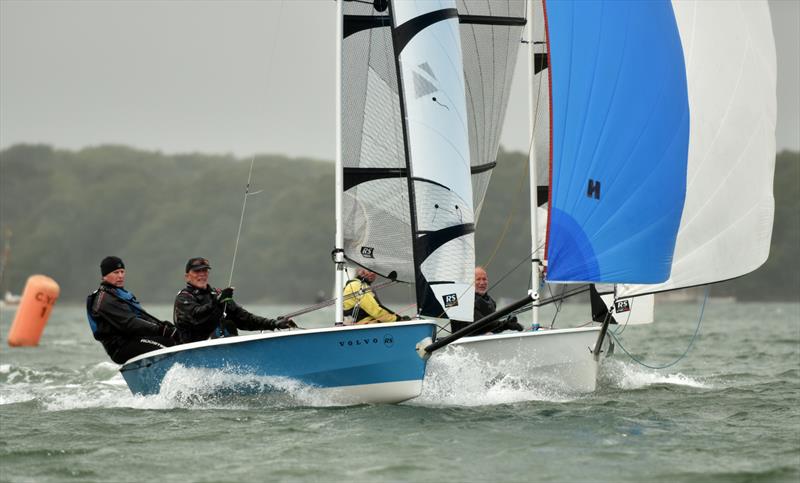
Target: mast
(338, 252)
(536, 264)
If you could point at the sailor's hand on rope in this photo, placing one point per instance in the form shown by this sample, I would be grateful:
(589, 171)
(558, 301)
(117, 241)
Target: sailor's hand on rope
(283, 324)
(513, 324)
(225, 296)
(169, 330)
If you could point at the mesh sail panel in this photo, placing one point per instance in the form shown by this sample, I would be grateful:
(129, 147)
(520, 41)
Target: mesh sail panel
(489, 50)
(377, 230)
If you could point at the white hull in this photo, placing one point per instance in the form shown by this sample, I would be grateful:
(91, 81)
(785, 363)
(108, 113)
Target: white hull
(380, 393)
(560, 357)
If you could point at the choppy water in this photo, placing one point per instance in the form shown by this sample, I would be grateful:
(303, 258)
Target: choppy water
(728, 412)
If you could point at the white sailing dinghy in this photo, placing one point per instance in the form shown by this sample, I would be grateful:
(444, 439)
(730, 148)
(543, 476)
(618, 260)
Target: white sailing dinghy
(657, 121)
(404, 210)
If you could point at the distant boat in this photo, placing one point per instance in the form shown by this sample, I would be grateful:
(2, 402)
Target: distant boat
(9, 300)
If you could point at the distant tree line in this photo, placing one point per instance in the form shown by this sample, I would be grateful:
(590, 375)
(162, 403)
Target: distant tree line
(62, 211)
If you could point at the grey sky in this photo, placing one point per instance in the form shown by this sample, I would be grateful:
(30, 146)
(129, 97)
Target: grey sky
(238, 77)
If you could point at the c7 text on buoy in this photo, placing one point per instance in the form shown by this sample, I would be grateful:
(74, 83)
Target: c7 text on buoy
(38, 298)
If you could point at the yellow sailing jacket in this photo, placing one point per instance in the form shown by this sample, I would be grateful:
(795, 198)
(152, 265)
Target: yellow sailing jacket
(364, 306)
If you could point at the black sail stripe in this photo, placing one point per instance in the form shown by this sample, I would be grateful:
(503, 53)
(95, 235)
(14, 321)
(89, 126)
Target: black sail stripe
(427, 303)
(491, 20)
(356, 176)
(429, 241)
(404, 33)
(483, 167)
(352, 24)
(539, 62)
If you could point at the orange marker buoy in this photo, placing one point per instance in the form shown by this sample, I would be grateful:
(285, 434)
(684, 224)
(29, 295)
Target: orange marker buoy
(37, 302)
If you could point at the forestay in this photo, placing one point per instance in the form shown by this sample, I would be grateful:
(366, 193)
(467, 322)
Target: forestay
(727, 219)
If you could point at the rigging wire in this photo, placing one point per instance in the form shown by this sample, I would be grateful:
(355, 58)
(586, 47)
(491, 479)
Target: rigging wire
(688, 347)
(241, 218)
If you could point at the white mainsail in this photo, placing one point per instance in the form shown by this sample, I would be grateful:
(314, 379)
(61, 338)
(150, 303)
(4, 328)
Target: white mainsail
(407, 201)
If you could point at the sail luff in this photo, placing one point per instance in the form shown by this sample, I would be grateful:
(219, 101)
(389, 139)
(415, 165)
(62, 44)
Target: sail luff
(536, 264)
(338, 282)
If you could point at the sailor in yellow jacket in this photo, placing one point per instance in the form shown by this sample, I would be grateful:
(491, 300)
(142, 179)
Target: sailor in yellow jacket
(362, 305)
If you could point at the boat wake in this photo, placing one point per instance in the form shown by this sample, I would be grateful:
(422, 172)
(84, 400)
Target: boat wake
(458, 378)
(454, 378)
(628, 375)
(102, 386)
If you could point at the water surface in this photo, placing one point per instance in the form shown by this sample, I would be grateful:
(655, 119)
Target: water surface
(727, 412)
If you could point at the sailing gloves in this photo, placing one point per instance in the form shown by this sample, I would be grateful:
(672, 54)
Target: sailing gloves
(512, 324)
(168, 330)
(225, 296)
(403, 318)
(507, 324)
(273, 324)
(282, 324)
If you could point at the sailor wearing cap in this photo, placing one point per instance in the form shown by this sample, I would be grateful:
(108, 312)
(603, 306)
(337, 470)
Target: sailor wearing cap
(202, 311)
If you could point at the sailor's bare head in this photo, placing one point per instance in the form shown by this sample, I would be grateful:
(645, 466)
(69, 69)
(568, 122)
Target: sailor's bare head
(481, 281)
(366, 275)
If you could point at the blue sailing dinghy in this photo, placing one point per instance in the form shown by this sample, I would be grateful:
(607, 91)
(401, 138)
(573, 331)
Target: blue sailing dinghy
(404, 210)
(355, 364)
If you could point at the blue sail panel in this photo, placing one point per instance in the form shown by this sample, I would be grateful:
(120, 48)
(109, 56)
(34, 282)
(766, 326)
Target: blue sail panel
(620, 137)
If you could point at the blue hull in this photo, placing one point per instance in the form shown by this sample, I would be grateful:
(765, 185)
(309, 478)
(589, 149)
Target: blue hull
(366, 363)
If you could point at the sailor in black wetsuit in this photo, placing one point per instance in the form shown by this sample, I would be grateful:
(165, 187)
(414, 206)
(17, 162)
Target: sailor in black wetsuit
(200, 309)
(118, 321)
(485, 305)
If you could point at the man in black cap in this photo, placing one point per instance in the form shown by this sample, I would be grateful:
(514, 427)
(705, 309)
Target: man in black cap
(118, 321)
(202, 311)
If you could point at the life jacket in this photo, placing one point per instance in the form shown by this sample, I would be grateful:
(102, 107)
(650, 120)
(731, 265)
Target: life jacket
(89, 304)
(352, 314)
(121, 294)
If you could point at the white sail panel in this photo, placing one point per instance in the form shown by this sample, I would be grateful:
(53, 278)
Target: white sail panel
(375, 204)
(491, 31)
(431, 73)
(631, 311)
(726, 226)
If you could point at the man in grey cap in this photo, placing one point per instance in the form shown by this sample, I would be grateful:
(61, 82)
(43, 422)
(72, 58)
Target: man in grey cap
(118, 320)
(202, 311)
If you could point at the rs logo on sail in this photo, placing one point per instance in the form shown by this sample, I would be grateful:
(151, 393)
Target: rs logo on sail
(450, 300)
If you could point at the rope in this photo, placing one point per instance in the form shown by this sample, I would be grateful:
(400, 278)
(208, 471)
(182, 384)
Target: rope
(688, 348)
